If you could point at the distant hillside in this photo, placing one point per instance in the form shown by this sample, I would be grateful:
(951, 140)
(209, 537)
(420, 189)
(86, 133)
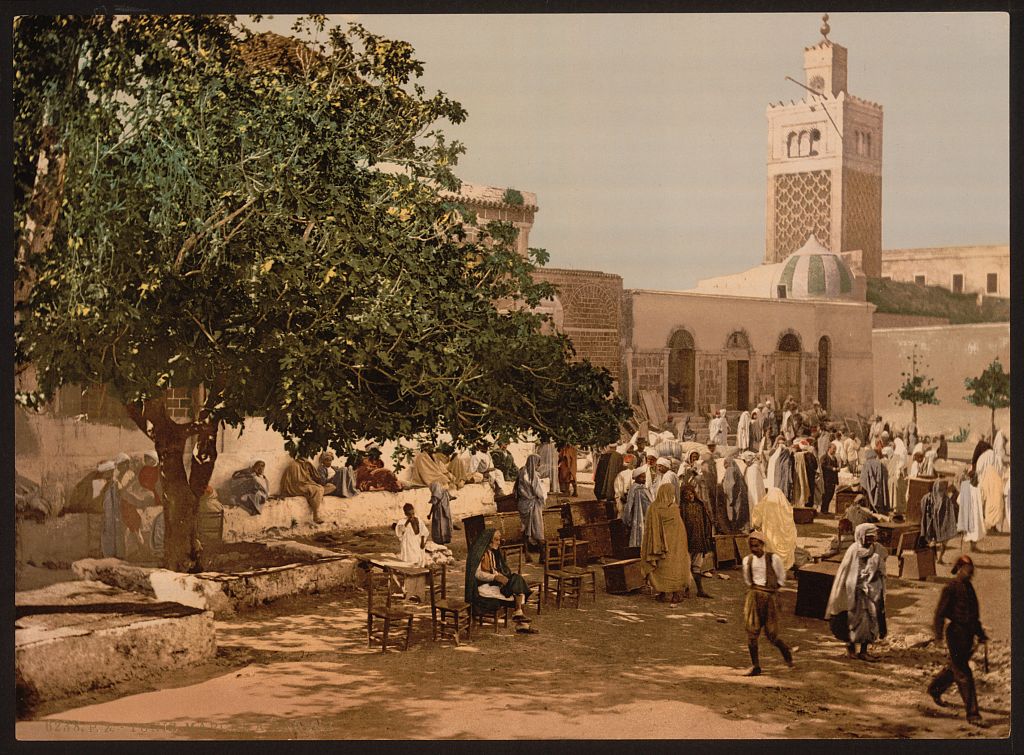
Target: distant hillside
(899, 298)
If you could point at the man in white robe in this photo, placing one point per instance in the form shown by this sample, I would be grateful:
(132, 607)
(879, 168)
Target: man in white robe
(718, 429)
(743, 431)
(753, 477)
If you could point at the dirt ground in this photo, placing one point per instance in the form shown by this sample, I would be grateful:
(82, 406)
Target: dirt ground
(623, 667)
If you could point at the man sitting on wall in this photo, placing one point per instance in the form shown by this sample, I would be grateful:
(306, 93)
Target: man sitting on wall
(299, 479)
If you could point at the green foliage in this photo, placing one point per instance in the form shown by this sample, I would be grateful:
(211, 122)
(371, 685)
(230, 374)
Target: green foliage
(961, 435)
(917, 389)
(513, 196)
(991, 388)
(277, 235)
(902, 298)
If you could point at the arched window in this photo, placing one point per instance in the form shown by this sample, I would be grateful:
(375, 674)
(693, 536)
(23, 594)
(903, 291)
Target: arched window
(805, 144)
(682, 378)
(815, 138)
(789, 342)
(867, 144)
(791, 144)
(824, 369)
(738, 340)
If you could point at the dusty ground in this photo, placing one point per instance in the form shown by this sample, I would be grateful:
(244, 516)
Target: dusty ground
(625, 667)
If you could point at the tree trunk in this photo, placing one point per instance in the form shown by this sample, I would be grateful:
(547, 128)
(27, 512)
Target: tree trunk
(914, 404)
(993, 424)
(182, 490)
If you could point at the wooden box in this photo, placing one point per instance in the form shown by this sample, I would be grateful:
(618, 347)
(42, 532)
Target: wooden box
(725, 550)
(598, 537)
(576, 513)
(803, 514)
(505, 503)
(624, 576)
(889, 533)
(554, 524)
(211, 525)
(917, 488)
(918, 564)
(814, 583)
(508, 523)
(844, 498)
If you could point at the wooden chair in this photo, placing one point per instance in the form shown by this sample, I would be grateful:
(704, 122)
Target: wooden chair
(570, 566)
(489, 616)
(380, 611)
(513, 549)
(567, 586)
(448, 617)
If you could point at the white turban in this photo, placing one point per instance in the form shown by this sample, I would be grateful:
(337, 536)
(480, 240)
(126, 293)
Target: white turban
(121, 458)
(639, 471)
(721, 412)
(663, 461)
(748, 456)
(151, 455)
(105, 466)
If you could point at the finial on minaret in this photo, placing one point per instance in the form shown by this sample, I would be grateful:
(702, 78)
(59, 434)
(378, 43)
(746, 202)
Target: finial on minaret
(825, 28)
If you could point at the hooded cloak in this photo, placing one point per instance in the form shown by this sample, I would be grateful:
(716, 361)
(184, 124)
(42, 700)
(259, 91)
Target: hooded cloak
(638, 501)
(743, 431)
(938, 514)
(440, 515)
(530, 494)
(971, 519)
(856, 605)
(733, 513)
(874, 479)
(664, 551)
(516, 583)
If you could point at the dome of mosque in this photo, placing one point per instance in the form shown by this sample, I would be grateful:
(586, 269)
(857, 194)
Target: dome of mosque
(813, 272)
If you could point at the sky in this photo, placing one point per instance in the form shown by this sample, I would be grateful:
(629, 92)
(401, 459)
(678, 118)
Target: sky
(644, 135)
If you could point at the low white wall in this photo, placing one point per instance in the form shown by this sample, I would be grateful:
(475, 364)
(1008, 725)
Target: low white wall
(365, 510)
(68, 538)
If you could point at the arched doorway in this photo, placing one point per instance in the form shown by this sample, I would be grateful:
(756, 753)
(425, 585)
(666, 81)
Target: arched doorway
(824, 368)
(787, 368)
(737, 372)
(681, 374)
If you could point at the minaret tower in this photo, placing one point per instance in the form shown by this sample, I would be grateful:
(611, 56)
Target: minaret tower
(825, 164)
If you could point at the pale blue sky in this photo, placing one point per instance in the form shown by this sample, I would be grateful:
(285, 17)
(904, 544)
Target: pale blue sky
(644, 135)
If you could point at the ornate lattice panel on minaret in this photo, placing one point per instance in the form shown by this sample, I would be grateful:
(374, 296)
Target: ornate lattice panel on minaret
(862, 217)
(803, 205)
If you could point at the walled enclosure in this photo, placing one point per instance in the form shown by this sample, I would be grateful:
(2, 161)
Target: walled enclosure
(951, 354)
(652, 317)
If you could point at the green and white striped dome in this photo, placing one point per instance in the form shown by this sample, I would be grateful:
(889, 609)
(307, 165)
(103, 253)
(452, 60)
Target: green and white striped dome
(813, 272)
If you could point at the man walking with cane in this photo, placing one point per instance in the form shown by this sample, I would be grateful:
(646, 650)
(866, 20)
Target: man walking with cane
(959, 604)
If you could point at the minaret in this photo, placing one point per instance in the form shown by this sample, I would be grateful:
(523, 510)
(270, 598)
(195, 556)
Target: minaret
(825, 164)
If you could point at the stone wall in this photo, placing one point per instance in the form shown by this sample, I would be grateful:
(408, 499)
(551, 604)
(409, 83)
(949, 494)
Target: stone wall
(591, 315)
(888, 320)
(951, 354)
(649, 373)
(710, 381)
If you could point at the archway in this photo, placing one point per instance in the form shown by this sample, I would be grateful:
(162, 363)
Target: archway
(737, 371)
(787, 368)
(824, 368)
(682, 381)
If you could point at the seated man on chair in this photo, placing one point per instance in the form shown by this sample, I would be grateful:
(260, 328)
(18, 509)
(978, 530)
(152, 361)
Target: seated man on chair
(490, 584)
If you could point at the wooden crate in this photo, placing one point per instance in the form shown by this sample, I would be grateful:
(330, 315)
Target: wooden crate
(844, 498)
(576, 513)
(506, 503)
(889, 533)
(917, 488)
(814, 583)
(803, 514)
(598, 537)
(621, 577)
(918, 564)
(211, 526)
(725, 550)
